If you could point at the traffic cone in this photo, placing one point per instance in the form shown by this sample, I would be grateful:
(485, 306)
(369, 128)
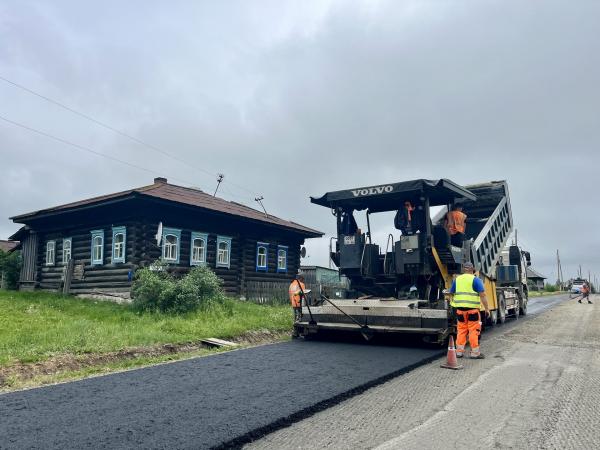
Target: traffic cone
(451, 362)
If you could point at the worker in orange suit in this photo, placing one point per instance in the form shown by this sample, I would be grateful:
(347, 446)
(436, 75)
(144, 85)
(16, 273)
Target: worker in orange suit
(468, 293)
(456, 225)
(585, 293)
(296, 292)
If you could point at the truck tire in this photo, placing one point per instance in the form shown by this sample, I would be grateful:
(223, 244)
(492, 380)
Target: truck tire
(501, 309)
(523, 305)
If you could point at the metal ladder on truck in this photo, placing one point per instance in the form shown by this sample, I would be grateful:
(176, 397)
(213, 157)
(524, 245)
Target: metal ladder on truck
(489, 224)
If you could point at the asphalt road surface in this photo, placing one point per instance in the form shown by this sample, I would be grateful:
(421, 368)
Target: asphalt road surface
(538, 388)
(199, 403)
(221, 400)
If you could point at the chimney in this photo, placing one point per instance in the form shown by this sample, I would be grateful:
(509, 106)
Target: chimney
(160, 180)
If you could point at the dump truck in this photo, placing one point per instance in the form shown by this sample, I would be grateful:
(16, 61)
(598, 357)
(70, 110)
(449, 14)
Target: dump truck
(400, 287)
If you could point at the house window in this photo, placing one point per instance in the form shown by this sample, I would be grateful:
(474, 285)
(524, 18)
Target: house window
(119, 242)
(282, 258)
(262, 256)
(170, 250)
(66, 250)
(223, 251)
(198, 249)
(50, 251)
(97, 247)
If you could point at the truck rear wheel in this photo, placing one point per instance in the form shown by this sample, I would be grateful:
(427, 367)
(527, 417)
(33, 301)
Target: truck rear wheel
(523, 306)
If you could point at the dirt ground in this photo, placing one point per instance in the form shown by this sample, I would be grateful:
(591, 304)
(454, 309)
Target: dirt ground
(20, 372)
(538, 388)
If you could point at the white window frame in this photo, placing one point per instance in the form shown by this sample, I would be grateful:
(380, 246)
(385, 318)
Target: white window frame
(176, 233)
(282, 248)
(204, 238)
(262, 267)
(221, 262)
(64, 242)
(50, 251)
(97, 261)
(115, 232)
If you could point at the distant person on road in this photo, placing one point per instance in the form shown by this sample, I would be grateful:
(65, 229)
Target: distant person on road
(296, 292)
(409, 219)
(585, 293)
(468, 293)
(455, 223)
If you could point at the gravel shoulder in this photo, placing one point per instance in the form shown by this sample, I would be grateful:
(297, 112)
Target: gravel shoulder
(537, 388)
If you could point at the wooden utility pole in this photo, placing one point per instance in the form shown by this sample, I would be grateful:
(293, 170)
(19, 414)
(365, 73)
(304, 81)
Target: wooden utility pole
(559, 274)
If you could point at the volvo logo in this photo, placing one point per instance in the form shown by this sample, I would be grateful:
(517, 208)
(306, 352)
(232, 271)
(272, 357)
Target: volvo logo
(373, 190)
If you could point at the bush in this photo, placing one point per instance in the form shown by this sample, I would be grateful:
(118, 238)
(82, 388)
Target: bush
(550, 288)
(155, 290)
(10, 267)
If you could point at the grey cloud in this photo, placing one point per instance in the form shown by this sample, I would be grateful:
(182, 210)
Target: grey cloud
(291, 101)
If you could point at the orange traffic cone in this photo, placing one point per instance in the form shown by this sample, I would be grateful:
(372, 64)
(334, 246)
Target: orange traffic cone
(451, 362)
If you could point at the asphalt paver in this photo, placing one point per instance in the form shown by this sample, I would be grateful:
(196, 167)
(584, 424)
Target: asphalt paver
(219, 400)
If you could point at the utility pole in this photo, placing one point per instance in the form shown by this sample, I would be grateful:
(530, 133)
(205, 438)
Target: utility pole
(559, 274)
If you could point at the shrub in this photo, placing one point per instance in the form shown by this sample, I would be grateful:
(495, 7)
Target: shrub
(10, 267)
(550, 288)
(155, 290)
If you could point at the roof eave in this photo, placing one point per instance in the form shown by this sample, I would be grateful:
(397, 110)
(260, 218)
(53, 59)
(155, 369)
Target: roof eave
(50, 212)
(307, 233)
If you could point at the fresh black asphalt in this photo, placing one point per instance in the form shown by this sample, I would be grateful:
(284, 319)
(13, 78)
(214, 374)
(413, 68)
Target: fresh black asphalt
(198, 403)
(221, 400)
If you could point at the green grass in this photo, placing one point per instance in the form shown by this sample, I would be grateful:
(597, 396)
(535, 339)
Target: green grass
(544, 293)
(35, 326)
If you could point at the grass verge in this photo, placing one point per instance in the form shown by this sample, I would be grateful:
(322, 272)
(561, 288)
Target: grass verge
(49, 338)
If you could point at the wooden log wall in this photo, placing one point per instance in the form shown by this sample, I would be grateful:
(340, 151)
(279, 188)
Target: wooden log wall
(108, 277)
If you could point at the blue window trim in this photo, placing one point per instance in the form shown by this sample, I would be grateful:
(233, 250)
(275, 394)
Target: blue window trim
(48, 263)
(95, 234)
(62, 250)
(198, 235)
(174, 232)
(228, 241)
(264, 268)
(119, 230)
(285, 248)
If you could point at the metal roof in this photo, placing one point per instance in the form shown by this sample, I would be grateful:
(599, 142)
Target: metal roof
(389, 197)
(534, 274)
(181, 195)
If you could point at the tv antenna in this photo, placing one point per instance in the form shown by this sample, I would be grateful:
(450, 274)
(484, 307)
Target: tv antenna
(259, 201)
(220, 178)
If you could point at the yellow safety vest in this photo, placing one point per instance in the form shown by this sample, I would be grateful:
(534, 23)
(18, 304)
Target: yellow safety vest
(465, 296)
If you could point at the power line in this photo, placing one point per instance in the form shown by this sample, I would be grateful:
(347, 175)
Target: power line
(97, 153)
(117, 131)
(83, 148)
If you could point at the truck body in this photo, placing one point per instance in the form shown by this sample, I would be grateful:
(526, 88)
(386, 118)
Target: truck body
(400, 287)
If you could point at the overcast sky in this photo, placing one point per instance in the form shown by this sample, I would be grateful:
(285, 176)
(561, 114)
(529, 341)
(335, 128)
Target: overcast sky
(291, 99)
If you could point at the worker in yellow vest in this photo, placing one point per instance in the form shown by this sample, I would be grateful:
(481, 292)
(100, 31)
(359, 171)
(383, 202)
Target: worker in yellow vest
(468, 293)
(296, 292)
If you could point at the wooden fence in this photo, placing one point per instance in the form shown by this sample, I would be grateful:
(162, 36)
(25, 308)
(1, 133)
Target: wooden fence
(276, 293)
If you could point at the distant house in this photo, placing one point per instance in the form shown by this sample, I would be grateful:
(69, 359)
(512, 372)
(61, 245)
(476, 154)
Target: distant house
(326, 280)
(8, 246)
(536, 278)
(109, 237)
